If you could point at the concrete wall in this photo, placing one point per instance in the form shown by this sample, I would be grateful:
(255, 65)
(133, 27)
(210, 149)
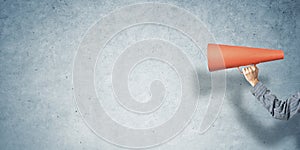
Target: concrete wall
(39, 41)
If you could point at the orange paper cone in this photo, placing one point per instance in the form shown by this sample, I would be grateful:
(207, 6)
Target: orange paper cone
(226, 56)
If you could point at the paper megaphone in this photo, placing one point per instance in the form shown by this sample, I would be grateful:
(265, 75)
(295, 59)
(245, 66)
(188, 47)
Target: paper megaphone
(226, 56)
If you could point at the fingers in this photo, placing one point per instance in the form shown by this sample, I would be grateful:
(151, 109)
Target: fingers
(252, 68)
(255, 66)
(244, 71)
(249, 69)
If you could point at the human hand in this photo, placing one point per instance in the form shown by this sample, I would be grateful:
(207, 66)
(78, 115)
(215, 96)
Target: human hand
(251, 74)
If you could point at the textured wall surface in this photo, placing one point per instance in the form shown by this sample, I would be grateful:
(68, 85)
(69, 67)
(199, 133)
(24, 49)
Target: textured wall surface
(39, 42)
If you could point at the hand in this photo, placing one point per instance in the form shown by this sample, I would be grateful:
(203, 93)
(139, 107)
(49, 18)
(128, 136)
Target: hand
(251, 74)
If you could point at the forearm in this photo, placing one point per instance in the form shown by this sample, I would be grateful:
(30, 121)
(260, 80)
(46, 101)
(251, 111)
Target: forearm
(279, 109)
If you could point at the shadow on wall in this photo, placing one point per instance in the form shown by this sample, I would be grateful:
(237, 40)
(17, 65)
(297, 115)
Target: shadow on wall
(267, 135)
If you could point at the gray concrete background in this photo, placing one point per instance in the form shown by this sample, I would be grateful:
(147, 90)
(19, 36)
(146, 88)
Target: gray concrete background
(39, 40)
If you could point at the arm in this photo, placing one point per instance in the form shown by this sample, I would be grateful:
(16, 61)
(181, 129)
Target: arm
(279, 109)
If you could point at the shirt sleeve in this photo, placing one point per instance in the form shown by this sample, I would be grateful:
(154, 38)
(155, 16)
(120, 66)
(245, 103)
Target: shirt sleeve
(279, 109)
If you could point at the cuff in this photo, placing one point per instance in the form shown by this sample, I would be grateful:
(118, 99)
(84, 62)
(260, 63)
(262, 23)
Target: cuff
(258, 89)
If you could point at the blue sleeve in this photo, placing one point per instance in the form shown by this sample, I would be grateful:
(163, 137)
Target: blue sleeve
(279, 109)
